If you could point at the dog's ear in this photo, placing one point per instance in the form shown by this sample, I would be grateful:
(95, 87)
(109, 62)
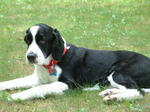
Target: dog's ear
(28, 41)
(57, 46)
(26, 34)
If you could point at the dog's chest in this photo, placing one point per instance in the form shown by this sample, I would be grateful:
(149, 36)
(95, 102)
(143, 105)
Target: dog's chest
(45, 77)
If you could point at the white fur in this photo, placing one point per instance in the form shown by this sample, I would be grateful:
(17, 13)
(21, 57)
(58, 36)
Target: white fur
(39, 77)
(146, 90)
(59, 71)
(44, 76)
(26, 82)
(65, 44)
(128, 94)
(41, 84)
(110, 92)
(113, 83)
(94, 88)
(55, 88)
(119, 92)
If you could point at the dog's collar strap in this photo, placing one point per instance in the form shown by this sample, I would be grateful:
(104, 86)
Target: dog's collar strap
(50, 66)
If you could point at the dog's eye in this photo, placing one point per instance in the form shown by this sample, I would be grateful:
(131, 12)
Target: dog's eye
(42, 42)
(39, 39)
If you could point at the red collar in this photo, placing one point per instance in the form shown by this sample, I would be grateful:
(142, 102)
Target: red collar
(50, 66)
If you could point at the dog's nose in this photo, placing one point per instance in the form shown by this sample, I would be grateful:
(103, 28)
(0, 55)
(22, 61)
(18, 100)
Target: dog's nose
(31, 57)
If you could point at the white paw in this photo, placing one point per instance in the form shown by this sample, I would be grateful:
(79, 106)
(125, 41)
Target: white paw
(110, 92)
(15, 97)
(111, 98)
(25, 96)
(105, 93)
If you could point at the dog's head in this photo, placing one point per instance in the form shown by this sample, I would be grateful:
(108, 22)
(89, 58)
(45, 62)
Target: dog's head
(44, 43)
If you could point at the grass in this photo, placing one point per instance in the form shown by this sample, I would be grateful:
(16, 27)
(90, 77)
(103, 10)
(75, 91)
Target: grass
(96, 24)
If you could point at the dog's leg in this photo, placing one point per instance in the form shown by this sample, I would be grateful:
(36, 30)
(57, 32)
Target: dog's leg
(121, 92)
(25, 82)
(128, 94)
(55, 88)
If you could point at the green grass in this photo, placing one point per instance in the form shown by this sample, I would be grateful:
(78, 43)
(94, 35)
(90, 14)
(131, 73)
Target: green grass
(96, 24)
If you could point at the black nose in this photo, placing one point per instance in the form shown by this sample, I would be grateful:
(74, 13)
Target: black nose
(31, 57)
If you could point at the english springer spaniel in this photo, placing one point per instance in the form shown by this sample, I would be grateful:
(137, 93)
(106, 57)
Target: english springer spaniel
(60, 66)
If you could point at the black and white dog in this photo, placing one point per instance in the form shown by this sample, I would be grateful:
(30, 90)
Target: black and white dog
(60, 66)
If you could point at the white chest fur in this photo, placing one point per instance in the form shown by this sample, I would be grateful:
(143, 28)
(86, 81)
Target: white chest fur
(44, 76)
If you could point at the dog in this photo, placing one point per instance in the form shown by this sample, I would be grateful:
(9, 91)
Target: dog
(60, 66)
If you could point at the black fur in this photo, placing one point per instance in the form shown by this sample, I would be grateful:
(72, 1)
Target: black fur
(84, 66)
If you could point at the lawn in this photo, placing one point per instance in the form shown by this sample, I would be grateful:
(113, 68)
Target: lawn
(95, 24)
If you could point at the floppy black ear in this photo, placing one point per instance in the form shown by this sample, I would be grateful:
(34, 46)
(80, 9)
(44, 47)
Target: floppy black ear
(57, 46)
(26, 34)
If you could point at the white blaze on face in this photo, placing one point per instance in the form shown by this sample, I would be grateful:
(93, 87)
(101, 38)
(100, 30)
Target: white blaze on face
(34, 48)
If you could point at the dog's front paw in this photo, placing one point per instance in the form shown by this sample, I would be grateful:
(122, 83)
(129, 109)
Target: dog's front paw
(15, 97)
(24, 96)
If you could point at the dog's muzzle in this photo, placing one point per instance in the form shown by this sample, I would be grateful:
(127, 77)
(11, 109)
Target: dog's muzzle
(31, 57)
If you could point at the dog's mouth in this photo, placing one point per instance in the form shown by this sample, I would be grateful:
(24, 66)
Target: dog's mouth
(32, 62)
